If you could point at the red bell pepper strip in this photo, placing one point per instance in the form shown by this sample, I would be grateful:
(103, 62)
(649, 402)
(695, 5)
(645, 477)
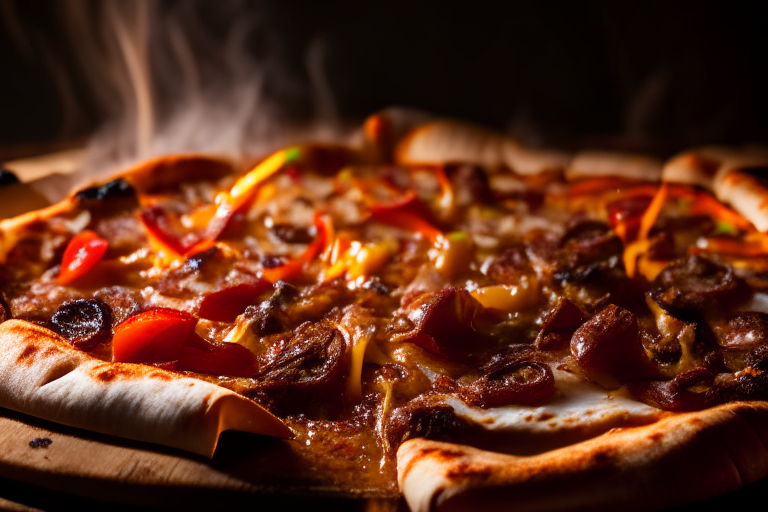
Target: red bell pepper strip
(295, 266)
(81, 255)
(159, 228)
(164, 335)
(155, 335)
(407, 213)
(225, 305)
(199, 355)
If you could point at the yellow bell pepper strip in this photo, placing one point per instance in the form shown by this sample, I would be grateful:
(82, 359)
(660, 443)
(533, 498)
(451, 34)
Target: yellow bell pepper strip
(359, 259)
(379, 131)
(637, 248)
(295, 266)
(245, 188)
(446, 199)
(456, 251)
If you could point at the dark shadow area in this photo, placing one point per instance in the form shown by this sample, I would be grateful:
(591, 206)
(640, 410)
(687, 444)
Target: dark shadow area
(652, 75)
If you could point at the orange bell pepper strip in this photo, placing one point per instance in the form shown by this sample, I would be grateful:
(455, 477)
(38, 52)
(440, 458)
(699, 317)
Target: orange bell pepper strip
(82, 253)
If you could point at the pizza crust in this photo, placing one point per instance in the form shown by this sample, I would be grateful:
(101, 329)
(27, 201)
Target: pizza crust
(44, 376)
(724, 171)
(449, 141)
(677, 460)
(603, 164)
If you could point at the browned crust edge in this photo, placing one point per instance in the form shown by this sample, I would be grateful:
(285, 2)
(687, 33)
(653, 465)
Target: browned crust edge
(680, 459)
(450, 141)
(42, 375)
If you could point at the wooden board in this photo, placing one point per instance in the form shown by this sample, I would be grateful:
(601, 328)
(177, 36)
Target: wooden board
(247, 469)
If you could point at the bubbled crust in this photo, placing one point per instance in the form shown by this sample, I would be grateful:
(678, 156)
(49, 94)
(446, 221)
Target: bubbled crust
(450, 141)
(680, 459)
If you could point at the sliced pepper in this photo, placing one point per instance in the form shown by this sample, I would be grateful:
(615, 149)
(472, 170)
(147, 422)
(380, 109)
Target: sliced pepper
(162, 335)
(161, 233)
(82, 253)
(227, 304)
(295, 266)
(152, 336)
(200, 355)
(245, 188)
(407, 213)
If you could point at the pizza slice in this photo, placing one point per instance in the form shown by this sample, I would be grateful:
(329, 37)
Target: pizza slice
(439, 311)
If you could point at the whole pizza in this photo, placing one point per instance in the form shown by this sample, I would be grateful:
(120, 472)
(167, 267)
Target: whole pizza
(434, 311)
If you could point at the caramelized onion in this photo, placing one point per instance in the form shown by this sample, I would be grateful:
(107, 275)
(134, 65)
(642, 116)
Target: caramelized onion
(83, 322)
(309, 360)
(513, 381)
(443, 323)
(426, 416)
(690, 391)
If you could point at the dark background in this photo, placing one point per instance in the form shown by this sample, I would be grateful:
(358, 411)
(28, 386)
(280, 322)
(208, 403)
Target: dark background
(654, 75)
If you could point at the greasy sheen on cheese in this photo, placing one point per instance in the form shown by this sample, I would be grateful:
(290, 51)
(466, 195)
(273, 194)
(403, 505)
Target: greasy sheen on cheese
(366, 301)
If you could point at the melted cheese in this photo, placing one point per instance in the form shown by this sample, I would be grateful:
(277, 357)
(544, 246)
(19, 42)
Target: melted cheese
(579, 405)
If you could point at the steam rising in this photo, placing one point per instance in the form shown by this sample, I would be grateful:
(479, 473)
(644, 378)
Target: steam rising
(180, 77)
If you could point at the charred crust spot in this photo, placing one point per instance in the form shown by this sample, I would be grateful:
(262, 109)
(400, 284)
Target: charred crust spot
(603, 456)
(545, 416)
(161, 376)
(7, 178)
(441, 453)
(26, 354)
(115, 189)
(107, 375)
(656, 437)
(464, 471)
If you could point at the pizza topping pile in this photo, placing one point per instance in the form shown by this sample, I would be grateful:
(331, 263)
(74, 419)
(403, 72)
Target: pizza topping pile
(370, 300)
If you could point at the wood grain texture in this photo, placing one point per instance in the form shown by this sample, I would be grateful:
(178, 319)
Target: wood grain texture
(247, 469)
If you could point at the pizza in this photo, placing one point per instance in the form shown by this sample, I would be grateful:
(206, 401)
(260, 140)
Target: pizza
(434, 311)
